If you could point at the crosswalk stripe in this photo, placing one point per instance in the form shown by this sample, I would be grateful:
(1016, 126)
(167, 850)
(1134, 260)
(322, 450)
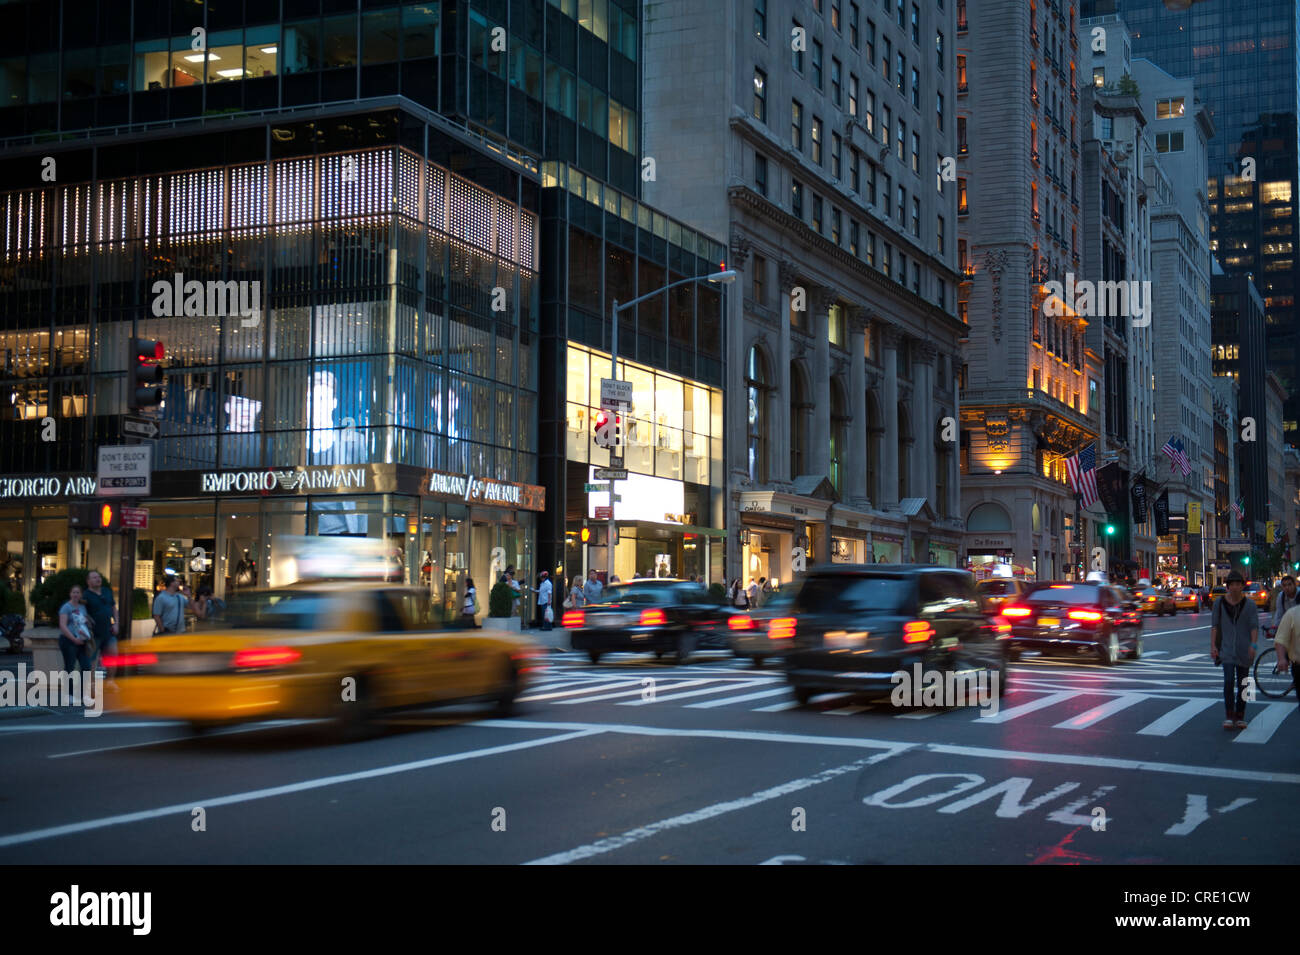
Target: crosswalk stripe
(1099, 713)
(1262, 727)
(1186, 657)
(777, 707)
(1176, 717)
(919, 716)
(588, 689)
(1154, 653)
(846, 710)
(707, 690)
(1003, 715)
(727, 701)
(641, 688)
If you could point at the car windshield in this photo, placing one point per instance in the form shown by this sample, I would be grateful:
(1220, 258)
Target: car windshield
(780, 599)
(279, 610)
(845, 594)
(1064, 593)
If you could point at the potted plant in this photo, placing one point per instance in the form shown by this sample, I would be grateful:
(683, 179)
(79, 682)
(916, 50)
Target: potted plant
(142, 622)
(501, 605)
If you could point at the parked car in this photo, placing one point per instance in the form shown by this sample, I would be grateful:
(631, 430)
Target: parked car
(855, 625)
(1187, 598)
(654, 615)
(1156, 601)
(1075, 618)
(767, 632)
(999, 590)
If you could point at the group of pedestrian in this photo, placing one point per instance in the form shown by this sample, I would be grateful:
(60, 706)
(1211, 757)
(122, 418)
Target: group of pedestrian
(751, 597)
(88, 624)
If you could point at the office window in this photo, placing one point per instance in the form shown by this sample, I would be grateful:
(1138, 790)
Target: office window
(886, 124)
(916, 278)
(836, 145)
(871, 41)
(902, 9)
(835, 15)
(962, 84)
(938, 108)
(796, 199)
(1099, 76)
(853, 25)
(916, 24)
(916, 88)
(962, 146)
(871, 183)
(1169, 108)
(938, 175)
(938, 50)
(760, 96)
(886, 57)
(916, 217)
(817, 140)
(760, 173)
(871, 112)
(853, 236)
(817, 213)
(871, 248)
(855, 176)
(760, 19)
(916, 152)
(797, 54)
(887, 194)
(900, 276)
(962, 207)
(1169, 142)
(1105, 127)
(836, 83)
(853, 95)
(902, 204)
(796, 124)
(887, 261)
(901, 141)
(939, 238)
(900, 71)
(817, 63)
(835, 225)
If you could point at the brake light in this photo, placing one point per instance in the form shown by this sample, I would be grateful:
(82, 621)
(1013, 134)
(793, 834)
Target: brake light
(266, 657)
(573, 619)
(917, 631)
(1016, 611)
(782, 628)
(1091, 616)
(741, 622)
(130, 660)
(653, 618)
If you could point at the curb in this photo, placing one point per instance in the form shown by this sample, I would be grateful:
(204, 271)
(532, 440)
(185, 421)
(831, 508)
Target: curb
(20, 712)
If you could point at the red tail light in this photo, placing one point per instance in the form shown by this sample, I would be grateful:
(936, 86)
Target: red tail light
(130, 660)
(1016, 611)
(573, 619)
(266, 657)
(741, 622)
(917, 631)
(653, 618)
(1091, 616)
(782, 628)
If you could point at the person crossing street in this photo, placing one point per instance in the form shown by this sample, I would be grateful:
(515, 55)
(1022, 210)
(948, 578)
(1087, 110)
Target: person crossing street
(1234, 630)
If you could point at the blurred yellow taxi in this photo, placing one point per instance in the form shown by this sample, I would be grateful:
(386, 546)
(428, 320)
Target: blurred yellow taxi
(1185, 598)
(1259, 593)
(343, 651)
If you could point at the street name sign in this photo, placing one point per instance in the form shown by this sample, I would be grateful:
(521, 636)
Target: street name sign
(596, 488)
(610, 474)
(139, 427)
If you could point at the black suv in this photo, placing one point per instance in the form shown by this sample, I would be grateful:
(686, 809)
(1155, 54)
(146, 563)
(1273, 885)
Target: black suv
(855, 625)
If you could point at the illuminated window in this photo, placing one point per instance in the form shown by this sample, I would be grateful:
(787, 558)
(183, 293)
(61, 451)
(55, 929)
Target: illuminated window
(1275, 192)
(1169, 108)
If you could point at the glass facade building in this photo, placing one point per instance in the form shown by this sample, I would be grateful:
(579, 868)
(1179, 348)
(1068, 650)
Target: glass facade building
(1244, 61)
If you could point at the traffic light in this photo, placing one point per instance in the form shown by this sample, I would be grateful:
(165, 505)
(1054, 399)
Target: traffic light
(95, 517)
(1246, 560)
(586, 535)
(1111, 530)
(146, 374)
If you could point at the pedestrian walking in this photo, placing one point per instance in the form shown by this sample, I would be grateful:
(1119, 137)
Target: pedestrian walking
(577, 598)
(103, 614)
(752, 592)
(1286, 640)
(1284, 598)
(738, 596)
(1234, 630)
(76, 635)
(592, 589)
(544, 612)
(169, 608)
(469, 606)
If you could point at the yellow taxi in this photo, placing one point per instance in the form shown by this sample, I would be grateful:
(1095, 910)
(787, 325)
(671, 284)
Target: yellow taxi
(1186, 598)
(342, 651)
(1258, 592)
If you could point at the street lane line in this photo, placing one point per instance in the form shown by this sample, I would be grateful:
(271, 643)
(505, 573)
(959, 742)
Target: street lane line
(1099, 713)
(532, 698)
(213, 802)
(642, 833)
(91, 723)
(1187, 657)
(777, 708)
(1177, 717)
(640, 688)
(918, 716)
(1023, 709)
(726, 688)
(1264, 725)
(1161, 633)
(1154, 653)
(846, 710)
(739, 699)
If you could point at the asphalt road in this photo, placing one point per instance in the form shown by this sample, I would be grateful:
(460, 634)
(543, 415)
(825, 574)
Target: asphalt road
(637, 762)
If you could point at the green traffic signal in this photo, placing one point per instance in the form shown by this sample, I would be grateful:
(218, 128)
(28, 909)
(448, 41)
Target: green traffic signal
(1110, 530)
(1246, 560)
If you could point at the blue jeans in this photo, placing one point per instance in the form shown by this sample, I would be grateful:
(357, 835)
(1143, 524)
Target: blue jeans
(1234, 676)
(74, 654)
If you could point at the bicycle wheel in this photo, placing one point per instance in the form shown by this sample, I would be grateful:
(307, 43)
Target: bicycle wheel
(1268, 679)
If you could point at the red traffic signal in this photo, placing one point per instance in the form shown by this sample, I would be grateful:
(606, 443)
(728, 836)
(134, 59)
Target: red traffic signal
(146, 373)
(107, 514)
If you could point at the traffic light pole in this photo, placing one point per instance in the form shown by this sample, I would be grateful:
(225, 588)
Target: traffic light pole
(613, 485)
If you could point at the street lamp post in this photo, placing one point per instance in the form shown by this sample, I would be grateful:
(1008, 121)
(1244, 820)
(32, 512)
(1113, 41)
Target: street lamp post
(724, 277)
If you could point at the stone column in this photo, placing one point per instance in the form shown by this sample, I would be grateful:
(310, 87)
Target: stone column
(891, 336)
(788, 278)
(856, 485)
(954, 460)
(735, 403)
(819, 435)
(924, 355)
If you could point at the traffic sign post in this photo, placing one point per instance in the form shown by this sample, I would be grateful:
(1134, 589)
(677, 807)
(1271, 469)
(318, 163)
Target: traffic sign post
(138, 427)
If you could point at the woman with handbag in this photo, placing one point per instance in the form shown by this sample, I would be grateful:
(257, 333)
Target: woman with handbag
(470, 606)
(76, 638)
(577, 596)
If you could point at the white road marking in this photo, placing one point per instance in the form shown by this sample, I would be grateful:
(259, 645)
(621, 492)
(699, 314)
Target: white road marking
(709, 812)
(532, 698)
(1099, 713)
(779, 691)
(777, 708)
(1187, 657)
(228, 731)
(1263, 725)
(726, 688)
(1041, 703)
(1154, 653)
(847, 710)
(1176, 717)
(641, 688)
(918, 716)
(212, 802)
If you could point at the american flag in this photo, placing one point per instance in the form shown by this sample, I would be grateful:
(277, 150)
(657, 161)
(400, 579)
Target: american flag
(1177, 455)
(1238, 511)
(1082, 472)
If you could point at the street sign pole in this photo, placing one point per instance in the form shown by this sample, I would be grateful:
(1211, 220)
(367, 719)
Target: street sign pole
(612, 531)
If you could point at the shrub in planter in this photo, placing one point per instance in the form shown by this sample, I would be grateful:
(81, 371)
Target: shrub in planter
(11, 601)
(717, 593)
(52, 592)
(141, 605)
(501, 601)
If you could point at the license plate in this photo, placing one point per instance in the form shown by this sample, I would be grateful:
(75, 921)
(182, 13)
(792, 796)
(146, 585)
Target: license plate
(189, 664)
(1049, 621)
(609, 621)
(843, 638)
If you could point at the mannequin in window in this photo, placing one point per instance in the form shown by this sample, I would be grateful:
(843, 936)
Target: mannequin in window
(246, 571)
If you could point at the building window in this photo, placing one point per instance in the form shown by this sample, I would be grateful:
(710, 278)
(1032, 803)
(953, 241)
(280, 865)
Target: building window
(916, 152)
(760, 19)
(836, 83)
(760, 173)
(901, 141)
(871, 41)
(938, 109)
(916, 88)
(758, 386)
(916, 217)
(853, 236)
(796, 124)
(853, 25)
(800, 409)
(887, 194)
(1169, 108)
(817, 63)
(835, 154)
(962, 147)
(1105, 127)
(797, 53)
(939, 237)
(888, 261)
(916, 25)
(1169, 142)
(871, 183)
(796, 199)
(938, 50)
(835, 15)
(962, 84)
(759, 275)
(916, 278)
(853, 95)
(962, 207)
(1099, 76)
(886, 58)
(938, 175)
(835, 225)
(760, 96)
(871, 248)
(871, 112)
(817, 213)
(902, 205)
(817, 140)
(886, 123)
(900, 72)
(855, 177)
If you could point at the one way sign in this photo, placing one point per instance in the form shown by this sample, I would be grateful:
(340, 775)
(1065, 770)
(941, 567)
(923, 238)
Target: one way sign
(139, 427)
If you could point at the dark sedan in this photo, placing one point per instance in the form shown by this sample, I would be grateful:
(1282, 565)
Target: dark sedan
(649, 616)
(855, 625)
(1073, 618)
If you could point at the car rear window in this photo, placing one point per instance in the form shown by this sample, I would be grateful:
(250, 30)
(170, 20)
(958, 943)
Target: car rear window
(281, 610)
(845, 594)
(1064, 593)
(995, 587)
(639, 594)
